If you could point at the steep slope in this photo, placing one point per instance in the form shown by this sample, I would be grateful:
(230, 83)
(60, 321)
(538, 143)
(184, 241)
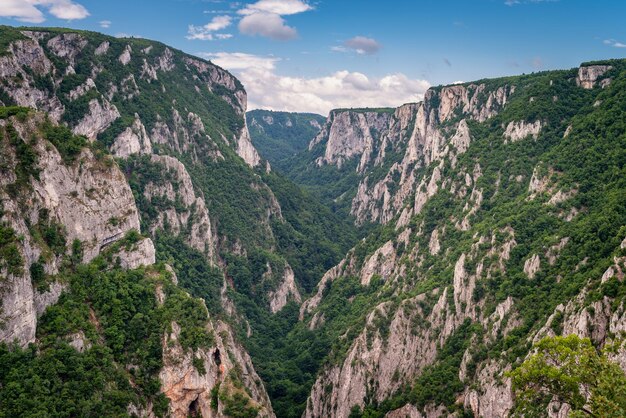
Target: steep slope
(105, 326)
(243, 238)
(502, 214)
(178, 123)
(279, 135)
(338, 154)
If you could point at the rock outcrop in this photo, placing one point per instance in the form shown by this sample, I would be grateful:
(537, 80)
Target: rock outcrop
(140, 254)
(192, 215)
(89, 199)
(286, 289)
(245, 149)
(99, 118)
(134, 140)
(516, 131)
(351, 134)
(589, 75)
(190, 390)
(406, 140)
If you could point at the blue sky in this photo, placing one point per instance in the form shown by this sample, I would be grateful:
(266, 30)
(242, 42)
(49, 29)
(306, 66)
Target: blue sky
(314, 55)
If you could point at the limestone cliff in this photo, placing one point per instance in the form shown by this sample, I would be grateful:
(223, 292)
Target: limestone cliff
(87, 200)
(391, 147)
(82, 201)
(449, 260)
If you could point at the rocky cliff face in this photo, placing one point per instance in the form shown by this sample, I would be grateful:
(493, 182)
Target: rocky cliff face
(393, 146)
(141, 98)
(89, 199)
(350, 134)
(157, 110)
(426, 286)
(225, 364)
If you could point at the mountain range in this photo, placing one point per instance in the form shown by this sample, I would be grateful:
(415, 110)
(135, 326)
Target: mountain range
(164, 252)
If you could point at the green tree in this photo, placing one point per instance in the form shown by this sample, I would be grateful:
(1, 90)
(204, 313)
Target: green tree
(570, 370)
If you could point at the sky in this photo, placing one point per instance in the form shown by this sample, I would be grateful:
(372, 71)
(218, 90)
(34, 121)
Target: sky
(316, 55)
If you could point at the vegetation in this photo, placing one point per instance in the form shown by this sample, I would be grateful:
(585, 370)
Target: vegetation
(590, 159)
(570, 370)
(115, 313)
(116, 316)
(9, 35)
(10, 257)
(8, 111)
(279, 135)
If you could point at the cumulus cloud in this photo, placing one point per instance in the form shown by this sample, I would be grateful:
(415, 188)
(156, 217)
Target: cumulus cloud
(614, 43)
(105, 24)
(269, 90)
(269, 25)
(31, 10)
(278, 7)
(264, 18)
(241, 61)
(206, 32)
(363, 45)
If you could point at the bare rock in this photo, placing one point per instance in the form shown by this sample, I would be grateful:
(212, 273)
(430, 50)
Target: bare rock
(140, 254)
(407, 411)
(126, 55)
(287, 288)
(102, 48)
(382, 263)
(99, 118)
(82, 89)
(245, 149)
(587, 76)
(67, 45)
(133, 140)
(531, 266)
(516, 131)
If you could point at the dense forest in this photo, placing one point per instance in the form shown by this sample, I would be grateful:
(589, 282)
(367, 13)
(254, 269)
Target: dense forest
(505, 227)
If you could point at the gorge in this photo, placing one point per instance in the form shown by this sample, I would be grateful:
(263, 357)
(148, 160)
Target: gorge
(164, 252)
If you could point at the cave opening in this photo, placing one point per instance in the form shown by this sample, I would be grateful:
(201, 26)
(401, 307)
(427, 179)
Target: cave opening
(194, 409)
(217, 357)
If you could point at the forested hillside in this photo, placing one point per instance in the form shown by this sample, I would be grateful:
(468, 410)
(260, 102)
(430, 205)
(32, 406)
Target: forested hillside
(236, 234)
(382, 263)
(280, 135)
(503, 223)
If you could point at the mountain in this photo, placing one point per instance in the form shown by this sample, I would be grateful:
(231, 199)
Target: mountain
(501, 221)
(279, 135)
(129, 163)
(87, 311)
(153, 263)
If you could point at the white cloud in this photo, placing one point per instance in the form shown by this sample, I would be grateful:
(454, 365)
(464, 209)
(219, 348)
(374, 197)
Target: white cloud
(241, 61)
(269, 25)
(278, 7)
(218, 23)
(269, 90)
(363, 45)
(65, 9)
(264, 18)
(30, 10)
(105, 24)
(205, 32)
(614, 43)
